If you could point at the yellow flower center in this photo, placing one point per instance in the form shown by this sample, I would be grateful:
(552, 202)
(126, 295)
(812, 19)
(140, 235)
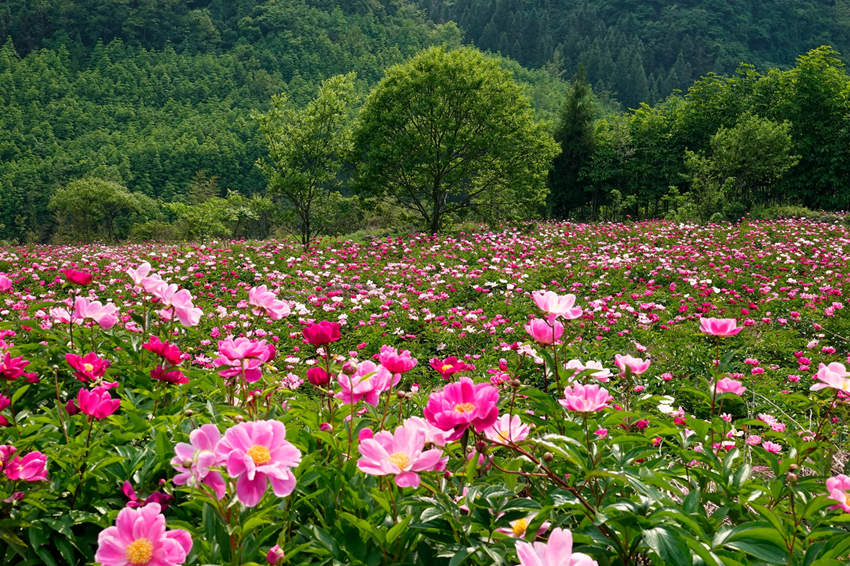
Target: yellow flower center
(519, 527)
(505, 434)
(446, 367)
(259, 454)
(400, 459)
(464, 408)
(88, 368)
(140, 551)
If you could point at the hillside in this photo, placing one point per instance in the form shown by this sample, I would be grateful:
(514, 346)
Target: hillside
(641, 51)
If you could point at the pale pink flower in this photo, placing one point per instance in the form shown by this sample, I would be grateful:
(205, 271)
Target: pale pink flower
(557, 552)
(636, 365)
(727, 385)
(243, 357)
(753, 440)
(61, 315)
(585, 398)
(401, 454)
(368, 382)
(103, 315)
(600, 374)
(139, 274)
(462, 404)
(195, 460)
(396, 361)
(543, 331)
(267, 302)
(255, 451)
(139, 537)
(508, 428)
(772, 447)
(178, 302)
(833, 375)
(838, 488)
(433, 435)
(723, 327)
(557, 305)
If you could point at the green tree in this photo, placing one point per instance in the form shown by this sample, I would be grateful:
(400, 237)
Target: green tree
(306, 146)
(450, 132)
(575, 134)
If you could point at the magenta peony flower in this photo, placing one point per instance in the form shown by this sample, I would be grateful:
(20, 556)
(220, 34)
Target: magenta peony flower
(462, 404)
(585, 398)
(321, 333)
(88, 367)
(256, 451)
(6, 452)
(103, 315)
(170, 375)
(451, 365)
(139, 538)
(32, 467)
(368, 382)
(244, 357)
(557, 552)
(318, 376)
(728, 385)
(555, 305)
(267, 302)
(77, 277)
(5, 283)
(509, 428)
(544, 332)
(395, 361)
(97, 403)
(833, 375)
(275, 555)
(636, 365)
(723, 327)
(195, 460)
(165, 350)
(838, 488)
(399, 453)
(13, 368)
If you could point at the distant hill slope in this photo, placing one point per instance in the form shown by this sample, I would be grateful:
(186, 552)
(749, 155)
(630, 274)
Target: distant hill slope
(642, 49)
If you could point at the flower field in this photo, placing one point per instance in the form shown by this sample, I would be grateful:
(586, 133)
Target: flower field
(643, 393)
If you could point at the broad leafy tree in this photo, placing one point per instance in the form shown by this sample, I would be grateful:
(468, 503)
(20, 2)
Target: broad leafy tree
(451, 133)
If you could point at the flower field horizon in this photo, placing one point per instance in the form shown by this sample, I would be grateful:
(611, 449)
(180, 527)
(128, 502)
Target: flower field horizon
(571, 394)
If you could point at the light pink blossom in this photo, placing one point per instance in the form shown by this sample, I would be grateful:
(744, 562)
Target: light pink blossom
(558, 551)
(104, 315)
(543, 331)
(723, 327)
(833, 375)
(508, 428)
(555, 305)
(195, 460)
(727, 385)
(266, 302)
(838, 488)
(637, 366)
(585, 398)
(368, 382)
(139, 538)
(401, 454)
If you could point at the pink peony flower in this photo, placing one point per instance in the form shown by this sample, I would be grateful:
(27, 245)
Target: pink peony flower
(557, 305)
(169, 375)
(600, 373)
(13, 368)
(727, 385)
(139, 274)
(275, 556)
(139, 538)
(318, 376)
(433, 435)
(5, 283)
(195, 460)
(267, 302)
(833, 375)
(395, 361)
(88, 367)
(557, 552)
(77, 277)
(585, 398)
(178, 302)
(165, 350)
(771, 447)
(244, 357)
(400, 453)
(637, 366)
(450, 366)
(462, 404)
(543, 331)
(103, 315)
(838, 488)
(368, 382)
(97, 403)
(32, 467)
(256, 451)
(723, 327)
(321, 333)
(508, 428)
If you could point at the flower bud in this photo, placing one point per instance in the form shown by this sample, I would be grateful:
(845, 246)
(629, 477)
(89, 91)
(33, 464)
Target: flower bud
(275, 555)
(548, 457)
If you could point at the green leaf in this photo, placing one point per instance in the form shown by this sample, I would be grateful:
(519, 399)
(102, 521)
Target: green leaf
(668, 545)
(397, 529)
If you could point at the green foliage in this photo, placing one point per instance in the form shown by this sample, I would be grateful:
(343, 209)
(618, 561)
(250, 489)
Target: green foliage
(449, 134)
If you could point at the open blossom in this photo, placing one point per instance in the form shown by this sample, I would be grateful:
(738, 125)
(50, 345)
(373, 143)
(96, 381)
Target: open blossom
(771, 447)
(178, 302)
(97, 403)
(508, 428)
(396, 361)
(139, 274)
(165, 350)
(104, 315)
(243, 356)
(254, 452)
(585, 398)
(400, 453)
(433, 435)
(61, 315)
(727, 385)
(139, 537)
(321, 333)
(636, 365)
(5, 283)
(772, 422)
(318, 376)
(544, 332)
(195, 460)
(449, 366)
(266, 302)
(558, 551)
(833, 375)
(722, 327)
(13, 368)
(367, 382)
(462, 404)
(77, 277)
(555, 305)
(600, 373)
(838, 488)
(87, 368)
(32, 467)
